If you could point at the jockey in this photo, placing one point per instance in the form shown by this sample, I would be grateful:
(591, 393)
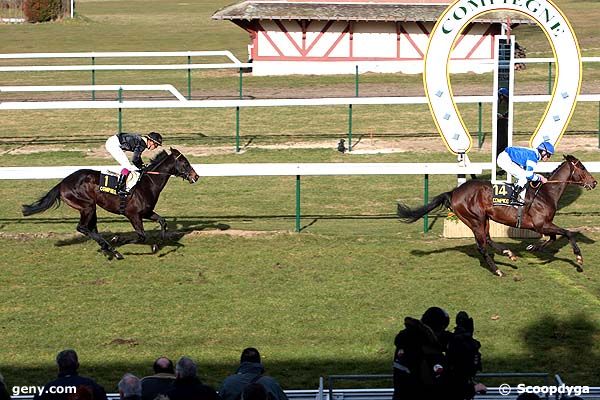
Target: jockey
(520, 163)
(118, 144)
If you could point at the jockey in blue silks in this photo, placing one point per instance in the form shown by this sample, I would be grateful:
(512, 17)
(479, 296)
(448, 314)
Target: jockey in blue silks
(520, 162)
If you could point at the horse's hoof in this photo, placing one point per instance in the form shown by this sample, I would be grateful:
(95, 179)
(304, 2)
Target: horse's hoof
(114, 240)
(531, 247)
(579, 260)
(108, 254)
(513, 258)
(154, 248)
(499, 273)
(118, 255)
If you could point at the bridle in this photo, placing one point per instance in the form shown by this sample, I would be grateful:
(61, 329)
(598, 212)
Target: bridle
(576, 166)
(184, 175)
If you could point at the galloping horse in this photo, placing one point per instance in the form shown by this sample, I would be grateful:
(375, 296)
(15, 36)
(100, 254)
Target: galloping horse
(80, 190)
(472, 204)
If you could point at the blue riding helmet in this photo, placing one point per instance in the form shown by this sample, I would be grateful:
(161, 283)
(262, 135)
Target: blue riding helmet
(503, 92)
(547, 147)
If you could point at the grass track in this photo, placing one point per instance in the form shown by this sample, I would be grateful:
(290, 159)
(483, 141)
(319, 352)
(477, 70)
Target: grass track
(328, 300)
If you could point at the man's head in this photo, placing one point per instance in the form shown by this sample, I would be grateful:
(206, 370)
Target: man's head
(250, 354)
(163, 365)
(503, 92)
(67, 361)
(154, 139)
(130, 386)
(546, 150)
(186, 368)
(436, 318)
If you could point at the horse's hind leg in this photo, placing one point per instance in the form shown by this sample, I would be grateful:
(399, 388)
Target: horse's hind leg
(480, 229)
(87, 226)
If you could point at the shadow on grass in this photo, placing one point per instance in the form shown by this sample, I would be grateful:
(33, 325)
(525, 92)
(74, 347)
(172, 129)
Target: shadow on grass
(547, 255)
(564, 345)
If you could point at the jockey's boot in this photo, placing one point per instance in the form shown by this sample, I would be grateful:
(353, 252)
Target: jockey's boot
(121, 186)
(514, 199)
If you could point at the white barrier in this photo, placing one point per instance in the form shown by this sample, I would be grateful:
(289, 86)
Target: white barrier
(271, 169)
(89, 88)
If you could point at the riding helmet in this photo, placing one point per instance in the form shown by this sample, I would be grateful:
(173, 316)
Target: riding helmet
(503, 92)
(547, 147)
(155, 137)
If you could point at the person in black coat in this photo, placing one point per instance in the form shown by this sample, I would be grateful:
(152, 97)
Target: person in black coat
(419, 359)
(187, 385)
(68, 364)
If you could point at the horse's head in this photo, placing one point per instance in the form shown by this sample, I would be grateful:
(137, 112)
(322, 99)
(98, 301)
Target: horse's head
(183, 168)
(579, 174)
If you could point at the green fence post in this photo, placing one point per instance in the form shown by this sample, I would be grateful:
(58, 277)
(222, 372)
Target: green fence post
(120, 112)
(479, 124)
(189, 79)
(237, 116)
(93, 78)
(425, 201)
(297, 203)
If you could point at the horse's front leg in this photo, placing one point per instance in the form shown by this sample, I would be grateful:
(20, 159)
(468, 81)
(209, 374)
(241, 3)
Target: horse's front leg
(552, 230)
(541, 245)
(163, 224)
(502, 249)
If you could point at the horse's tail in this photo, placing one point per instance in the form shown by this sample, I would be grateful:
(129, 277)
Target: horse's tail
(409, 215)
(52, 198)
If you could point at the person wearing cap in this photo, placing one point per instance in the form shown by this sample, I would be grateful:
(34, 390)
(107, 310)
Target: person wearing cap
(520, 162)
(118, 144)
(503, 102)
(419, 360)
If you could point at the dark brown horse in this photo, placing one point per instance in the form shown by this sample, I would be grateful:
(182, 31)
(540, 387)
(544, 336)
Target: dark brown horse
(80, 191)
(472, 204)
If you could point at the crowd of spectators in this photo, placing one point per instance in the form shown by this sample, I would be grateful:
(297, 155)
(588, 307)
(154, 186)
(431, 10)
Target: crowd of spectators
(169, 382)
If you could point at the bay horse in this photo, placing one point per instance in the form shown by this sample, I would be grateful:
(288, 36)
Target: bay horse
(80, 190)
(472, 204)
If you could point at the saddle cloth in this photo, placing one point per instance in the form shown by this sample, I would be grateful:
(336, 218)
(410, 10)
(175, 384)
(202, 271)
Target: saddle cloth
(502, 193)
(109, 181)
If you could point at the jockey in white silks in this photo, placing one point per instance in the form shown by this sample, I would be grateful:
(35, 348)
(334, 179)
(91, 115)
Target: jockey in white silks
(118, 144)
(520, 162)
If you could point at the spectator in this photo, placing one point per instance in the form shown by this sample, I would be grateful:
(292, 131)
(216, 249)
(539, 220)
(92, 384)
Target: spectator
(255, 391)
(187, 385)
(4, 395)
(130, 388)
(250, 371)
(161, 381)
(464, 360)
(68, 364)
(419, 359)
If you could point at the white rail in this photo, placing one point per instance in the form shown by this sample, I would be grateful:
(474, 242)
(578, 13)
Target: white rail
(124, 54)
(89, 88)
(270, 169)
(54, 105)
(292, 169)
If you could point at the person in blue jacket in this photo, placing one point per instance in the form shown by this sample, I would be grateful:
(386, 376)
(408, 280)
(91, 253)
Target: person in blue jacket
(520, 162)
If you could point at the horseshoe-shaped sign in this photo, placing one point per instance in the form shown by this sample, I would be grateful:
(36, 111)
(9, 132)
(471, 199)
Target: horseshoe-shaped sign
(436, 78)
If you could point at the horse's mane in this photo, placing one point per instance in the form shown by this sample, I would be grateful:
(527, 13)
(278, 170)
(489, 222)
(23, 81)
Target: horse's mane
(159, 158)
(567, 157)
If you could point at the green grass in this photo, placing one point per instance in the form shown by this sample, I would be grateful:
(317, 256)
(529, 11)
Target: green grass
(325, 301)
